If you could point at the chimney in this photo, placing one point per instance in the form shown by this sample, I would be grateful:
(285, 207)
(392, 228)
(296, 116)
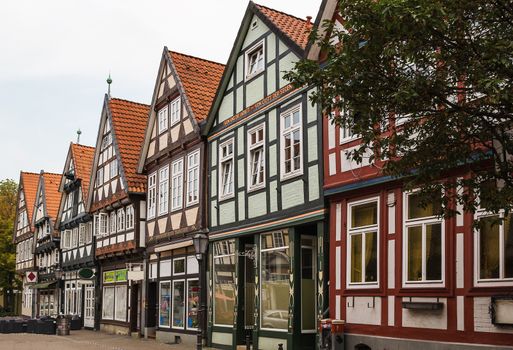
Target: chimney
(309, 20)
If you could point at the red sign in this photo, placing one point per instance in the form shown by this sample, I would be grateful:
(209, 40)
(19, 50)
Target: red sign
(31, 276)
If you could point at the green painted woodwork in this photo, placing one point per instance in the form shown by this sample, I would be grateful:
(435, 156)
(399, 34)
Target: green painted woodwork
(292, 194)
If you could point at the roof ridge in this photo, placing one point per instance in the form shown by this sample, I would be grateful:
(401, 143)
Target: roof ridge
(48, 173)
(196, 57)
(129, 101)
(80, 145)
(29, 172)
(283, 13)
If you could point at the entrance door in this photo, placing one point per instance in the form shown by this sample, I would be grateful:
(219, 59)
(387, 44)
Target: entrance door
(151, 320)
(134, 308)
(246, 320)
(89, 307)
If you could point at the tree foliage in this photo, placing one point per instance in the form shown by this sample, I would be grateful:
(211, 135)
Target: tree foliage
(8, 195)
(445, 69)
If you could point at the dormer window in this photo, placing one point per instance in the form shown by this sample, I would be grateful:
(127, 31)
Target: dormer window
(175, 111)
(163, 117)
(255, 60)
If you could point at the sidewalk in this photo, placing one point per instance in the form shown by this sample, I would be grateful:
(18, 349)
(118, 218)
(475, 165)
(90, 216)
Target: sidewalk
(82, 340)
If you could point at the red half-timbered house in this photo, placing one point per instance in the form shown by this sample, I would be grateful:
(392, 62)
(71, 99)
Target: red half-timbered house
(400, 275)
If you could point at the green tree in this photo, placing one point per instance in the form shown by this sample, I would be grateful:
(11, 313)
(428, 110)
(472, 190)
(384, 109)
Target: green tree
(444, 70)
(8, 195)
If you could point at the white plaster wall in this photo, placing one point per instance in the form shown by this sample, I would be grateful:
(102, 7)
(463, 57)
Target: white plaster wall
(434, 319)
(361, 313)
(482, 319)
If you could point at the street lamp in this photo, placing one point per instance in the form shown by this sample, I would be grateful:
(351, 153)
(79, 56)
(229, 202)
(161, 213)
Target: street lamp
(200, 242)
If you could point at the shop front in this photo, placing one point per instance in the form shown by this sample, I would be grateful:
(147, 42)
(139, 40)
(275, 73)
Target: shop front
(267, 288)
(79, 296)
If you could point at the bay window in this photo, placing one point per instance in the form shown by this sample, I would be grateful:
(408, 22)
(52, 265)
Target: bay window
(256, 165)
(362, 243)
(291, 143)
(423, 242)
(108, 303)
(177, 184)
(226, 172)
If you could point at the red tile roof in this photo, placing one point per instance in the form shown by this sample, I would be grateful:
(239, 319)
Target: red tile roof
(200, 79)
(83, 157)
(30, 182)
(129, 121)
(294, 28)
(52, 194)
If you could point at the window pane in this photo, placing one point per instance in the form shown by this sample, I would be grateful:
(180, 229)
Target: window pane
(508, 247)
(121, 303)
(165, 304)
(415, 253)
(364, 214)
(275, 288)
(108, 303)
(192, 303)
(434, 252)
(356, 258)
(224, 283)
(178, 303)
(416, 211)
(179, 265)
(371, 257)
(489, 248)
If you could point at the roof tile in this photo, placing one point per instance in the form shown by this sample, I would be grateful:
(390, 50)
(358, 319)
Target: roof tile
(30, 182)
(52, 194)
(83, 157)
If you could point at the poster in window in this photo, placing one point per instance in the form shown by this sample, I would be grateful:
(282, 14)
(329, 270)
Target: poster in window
(178, 304)
(165, 304)
(192, 303)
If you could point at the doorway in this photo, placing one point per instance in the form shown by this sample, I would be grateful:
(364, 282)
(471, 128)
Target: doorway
(247, 270)
(134, 308)
(89, 306)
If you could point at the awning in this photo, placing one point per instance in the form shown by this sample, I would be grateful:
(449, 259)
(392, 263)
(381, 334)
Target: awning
(45, 285)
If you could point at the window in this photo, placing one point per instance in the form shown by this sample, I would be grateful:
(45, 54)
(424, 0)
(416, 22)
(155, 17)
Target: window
(494, 248)
(226, 165)
(89, 232)
(99, 177)
(165, 304)
(152, 195)
(74, 239)
(175, 111)
(103, 224)
(179, 266)
(176, 185)
(163, 189)
(192, 303)
(178, 304)
(291, 143)
(255, 60)
(121, 220)
(67, 239)
(107, 141)
(193, 178)
(130, 217)
(114, 170)
(108, 303)
(81, 234)
(224, 282)
(120, 303)
(113, 222)
(346, 133)
(256, 165)
(423, 242)
(106, 173)
(274, 276)
(96, 225)
(362, 243)
(163, 118)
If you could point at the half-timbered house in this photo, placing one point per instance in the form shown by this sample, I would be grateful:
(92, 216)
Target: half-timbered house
(174, 157)
(76, 231)
(116, 200)
(47, 245)
(24, 240)
(265, 202)
(401, 276)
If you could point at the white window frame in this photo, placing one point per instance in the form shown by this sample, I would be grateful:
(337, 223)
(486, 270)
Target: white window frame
(162, 119)
(251, 147)
(113, 220)
(99, 177)
(222, 160)
(89, 232)
(184, 266)
(173, 302)
(291, 130)
(121, 220)
(114, 169)
(361, 231)
(249, 52)
(495, 282)
(177, 184)
(175, 110)
(193, 182)
(104, 224)
(163, 191)
(119, 286)
(81, 234)
(152, 195)
(420, 222)
(74, 238)
(130, 215)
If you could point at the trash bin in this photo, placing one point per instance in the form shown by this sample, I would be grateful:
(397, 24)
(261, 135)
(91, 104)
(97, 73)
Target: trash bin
(337, 335)
(325, 334)
(63, 325)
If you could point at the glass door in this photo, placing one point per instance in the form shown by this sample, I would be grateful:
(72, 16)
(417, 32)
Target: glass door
(89, 307)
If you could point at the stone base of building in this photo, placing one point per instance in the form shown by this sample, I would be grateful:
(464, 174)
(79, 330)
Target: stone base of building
(173, 337)
(373, 342)
(114, 329)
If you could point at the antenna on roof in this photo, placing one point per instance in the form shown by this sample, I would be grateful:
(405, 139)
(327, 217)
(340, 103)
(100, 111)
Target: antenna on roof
(79, 132)
(109, 81)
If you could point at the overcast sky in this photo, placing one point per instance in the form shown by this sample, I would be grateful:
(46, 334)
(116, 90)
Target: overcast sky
(55, 56)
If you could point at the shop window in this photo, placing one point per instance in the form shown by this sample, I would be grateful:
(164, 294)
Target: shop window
(165, 304)
(108, 303)
(494, 248)
(120, 302)
(192, 265)
(224, 282)
(178, 304)
(192, 303)
(362, 245)
(275, 274)
(423, 242)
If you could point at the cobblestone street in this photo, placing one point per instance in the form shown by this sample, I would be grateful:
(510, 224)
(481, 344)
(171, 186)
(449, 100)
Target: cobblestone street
(81, 340)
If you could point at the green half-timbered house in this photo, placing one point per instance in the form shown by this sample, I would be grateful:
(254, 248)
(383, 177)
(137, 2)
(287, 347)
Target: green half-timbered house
(265, 202)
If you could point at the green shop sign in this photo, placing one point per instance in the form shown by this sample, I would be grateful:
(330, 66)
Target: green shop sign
(115, 276)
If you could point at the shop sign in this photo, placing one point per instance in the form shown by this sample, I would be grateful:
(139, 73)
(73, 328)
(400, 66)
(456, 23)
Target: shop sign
(86, 273)
(115, 276)
(121, 275)
(109, 276)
